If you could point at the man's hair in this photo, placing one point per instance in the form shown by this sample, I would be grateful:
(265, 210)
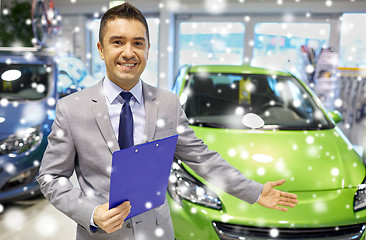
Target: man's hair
(123, 11)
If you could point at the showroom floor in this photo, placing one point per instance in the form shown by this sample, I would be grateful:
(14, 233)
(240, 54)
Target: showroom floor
(38, 219)
(35, 219)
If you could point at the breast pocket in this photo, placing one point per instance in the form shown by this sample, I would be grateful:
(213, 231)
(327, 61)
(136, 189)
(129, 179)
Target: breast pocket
(164, 129)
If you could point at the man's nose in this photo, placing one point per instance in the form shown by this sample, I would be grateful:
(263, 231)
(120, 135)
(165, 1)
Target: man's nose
(127, 51)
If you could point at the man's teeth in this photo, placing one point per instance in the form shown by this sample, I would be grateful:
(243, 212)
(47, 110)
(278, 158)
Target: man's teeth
(128, 64)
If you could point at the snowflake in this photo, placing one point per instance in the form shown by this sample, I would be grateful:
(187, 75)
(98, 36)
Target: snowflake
(110, 144)
(10, 168)
(90, 193)
(180, 129)
(46, 225)
(239, 111)
(14, 219)
(338, 102)
(215, 6)
(160, 123)
(159, 232)
(274, 232)
(51, 101)
(60, 133)
(48, 178)
(261, 171)
(232, 152)
(148, 205)
(244, 155)
(310, 140)
(4, 102)
(40, 88)
(328, 3)
(62, 181)
(320, 207)
(335, 172)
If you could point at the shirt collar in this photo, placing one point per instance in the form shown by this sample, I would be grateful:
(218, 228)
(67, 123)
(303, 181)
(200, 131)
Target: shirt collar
(112, 90)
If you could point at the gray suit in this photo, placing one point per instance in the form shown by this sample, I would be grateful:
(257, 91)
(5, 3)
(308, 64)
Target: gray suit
(82, 139)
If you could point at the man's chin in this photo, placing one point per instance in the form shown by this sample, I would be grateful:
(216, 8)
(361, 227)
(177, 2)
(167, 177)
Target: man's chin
(126, 80)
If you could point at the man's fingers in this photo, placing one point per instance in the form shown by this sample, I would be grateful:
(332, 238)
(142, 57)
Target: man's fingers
(283, 209)
(111, 220)
(287, 204)
(125, 204)
(120, 213)
(125, 213)
(278, 183)
(288, 195)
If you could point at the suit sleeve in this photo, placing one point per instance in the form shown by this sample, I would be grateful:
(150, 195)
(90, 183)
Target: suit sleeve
(210, 165)
(57, 166)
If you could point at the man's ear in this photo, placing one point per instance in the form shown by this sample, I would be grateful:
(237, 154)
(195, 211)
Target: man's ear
(100, 49)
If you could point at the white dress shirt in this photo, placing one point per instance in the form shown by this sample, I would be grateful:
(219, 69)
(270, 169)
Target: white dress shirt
(114, 104)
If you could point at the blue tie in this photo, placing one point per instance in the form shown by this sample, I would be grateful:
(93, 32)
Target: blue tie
(125, 137)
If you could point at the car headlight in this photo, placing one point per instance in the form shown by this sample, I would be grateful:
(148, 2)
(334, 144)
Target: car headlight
(182, 185)
(360, 197)
(21, 141)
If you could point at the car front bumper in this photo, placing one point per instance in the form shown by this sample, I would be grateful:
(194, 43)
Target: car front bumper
(18, 174)
(231, 231)
(193, 221)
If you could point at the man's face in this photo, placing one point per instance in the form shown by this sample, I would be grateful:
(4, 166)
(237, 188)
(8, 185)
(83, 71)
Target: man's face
(125, 51)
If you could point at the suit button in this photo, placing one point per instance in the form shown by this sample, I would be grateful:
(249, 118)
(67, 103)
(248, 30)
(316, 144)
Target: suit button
(129, 225)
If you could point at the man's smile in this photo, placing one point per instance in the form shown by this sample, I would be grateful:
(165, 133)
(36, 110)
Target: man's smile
(128, 65)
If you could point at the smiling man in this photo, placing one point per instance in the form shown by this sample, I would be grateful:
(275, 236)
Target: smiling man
(120, 111)
(125, 52)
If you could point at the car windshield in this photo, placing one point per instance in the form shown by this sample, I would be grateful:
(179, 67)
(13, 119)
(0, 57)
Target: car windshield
(24, 81)
(225, 100)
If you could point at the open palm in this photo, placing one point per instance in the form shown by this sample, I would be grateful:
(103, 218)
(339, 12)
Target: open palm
(275, 199)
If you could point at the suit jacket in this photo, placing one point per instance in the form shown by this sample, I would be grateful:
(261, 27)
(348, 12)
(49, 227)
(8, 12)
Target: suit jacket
(82, 140)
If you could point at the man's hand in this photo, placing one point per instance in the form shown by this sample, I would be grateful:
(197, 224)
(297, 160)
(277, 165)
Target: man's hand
(272, 198)
(111, 220)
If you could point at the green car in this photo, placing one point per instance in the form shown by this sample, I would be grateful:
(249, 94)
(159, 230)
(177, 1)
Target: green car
(270, 126)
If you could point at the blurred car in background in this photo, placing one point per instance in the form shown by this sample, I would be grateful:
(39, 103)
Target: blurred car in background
(72, 75)
(269, 125)
(28, 96)
(31, 82)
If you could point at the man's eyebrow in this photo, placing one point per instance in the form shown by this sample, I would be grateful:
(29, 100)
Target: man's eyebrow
(114, 37)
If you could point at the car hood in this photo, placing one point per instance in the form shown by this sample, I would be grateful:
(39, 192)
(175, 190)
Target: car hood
(308, 160)
(15, 116)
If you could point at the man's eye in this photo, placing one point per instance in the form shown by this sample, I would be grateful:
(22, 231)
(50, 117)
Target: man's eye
(117, 42)
(139, 43)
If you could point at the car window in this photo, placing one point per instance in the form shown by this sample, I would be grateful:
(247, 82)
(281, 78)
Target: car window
(24, 81)
(222, 100)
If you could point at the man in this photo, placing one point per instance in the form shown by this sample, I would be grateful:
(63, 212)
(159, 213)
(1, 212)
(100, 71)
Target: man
(87, 130)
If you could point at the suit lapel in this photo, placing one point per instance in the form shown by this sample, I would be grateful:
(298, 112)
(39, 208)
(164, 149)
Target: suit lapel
(151, 110)
(101, 115)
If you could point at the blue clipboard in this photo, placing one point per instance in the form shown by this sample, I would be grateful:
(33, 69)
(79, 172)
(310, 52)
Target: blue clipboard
(140, 174)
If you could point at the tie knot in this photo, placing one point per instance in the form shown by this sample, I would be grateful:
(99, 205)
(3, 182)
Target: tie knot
(126, 96)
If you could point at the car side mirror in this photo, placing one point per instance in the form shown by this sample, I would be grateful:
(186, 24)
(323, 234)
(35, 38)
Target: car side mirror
(336, 116)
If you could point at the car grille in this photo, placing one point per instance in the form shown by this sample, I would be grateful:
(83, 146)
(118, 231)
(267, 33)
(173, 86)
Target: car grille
(230, 232)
